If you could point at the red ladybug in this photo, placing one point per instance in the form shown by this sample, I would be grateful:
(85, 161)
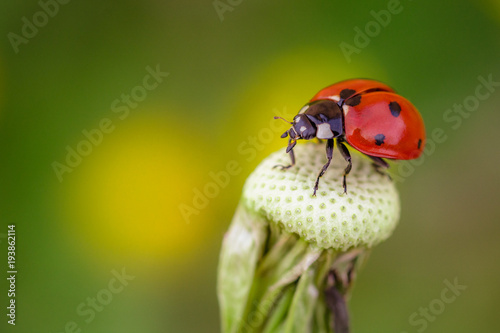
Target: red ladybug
(366, 114)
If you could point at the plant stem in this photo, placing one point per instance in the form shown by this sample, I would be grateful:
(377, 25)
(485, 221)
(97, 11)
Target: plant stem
(295, 285)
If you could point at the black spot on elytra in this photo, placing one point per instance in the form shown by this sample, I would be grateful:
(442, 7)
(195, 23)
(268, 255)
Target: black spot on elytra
(419, 143)
(346, 93)
(395, 108)
(354, 101)
(379, 139)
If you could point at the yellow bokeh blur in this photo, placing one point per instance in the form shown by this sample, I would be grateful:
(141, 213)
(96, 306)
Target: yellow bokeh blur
(126, 193)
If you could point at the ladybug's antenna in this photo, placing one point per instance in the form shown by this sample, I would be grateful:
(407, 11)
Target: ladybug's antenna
(276, 117)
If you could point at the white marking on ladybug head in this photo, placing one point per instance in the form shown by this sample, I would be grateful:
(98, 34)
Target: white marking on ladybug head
(324, 131)
(302, 129)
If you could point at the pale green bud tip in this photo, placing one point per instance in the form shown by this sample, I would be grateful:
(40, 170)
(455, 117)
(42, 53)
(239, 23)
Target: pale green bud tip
(363, 217)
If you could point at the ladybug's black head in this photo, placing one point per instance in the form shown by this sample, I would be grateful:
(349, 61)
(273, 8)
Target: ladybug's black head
(302, 127)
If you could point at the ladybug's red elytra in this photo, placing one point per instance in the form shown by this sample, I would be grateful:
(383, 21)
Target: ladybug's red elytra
(366, 114)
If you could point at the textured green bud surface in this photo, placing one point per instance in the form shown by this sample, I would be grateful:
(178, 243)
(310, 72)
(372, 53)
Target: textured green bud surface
(366, 215)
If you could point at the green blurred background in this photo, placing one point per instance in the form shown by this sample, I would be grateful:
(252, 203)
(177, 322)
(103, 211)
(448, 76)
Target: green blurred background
(120, 206)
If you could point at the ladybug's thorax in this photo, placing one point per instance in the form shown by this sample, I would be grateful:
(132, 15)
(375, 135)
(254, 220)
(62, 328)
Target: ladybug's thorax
(327, 116)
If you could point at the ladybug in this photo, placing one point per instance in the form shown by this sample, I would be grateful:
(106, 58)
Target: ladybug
(367, 115)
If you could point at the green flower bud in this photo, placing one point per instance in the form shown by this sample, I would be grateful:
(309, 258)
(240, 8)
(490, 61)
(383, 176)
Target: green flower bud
(289, 258)
(364, 216)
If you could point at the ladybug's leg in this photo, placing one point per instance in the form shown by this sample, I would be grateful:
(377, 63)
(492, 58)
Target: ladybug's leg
(289, 150)
(345, 154)
(379, 164)
(329, 154)
(291, 153)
